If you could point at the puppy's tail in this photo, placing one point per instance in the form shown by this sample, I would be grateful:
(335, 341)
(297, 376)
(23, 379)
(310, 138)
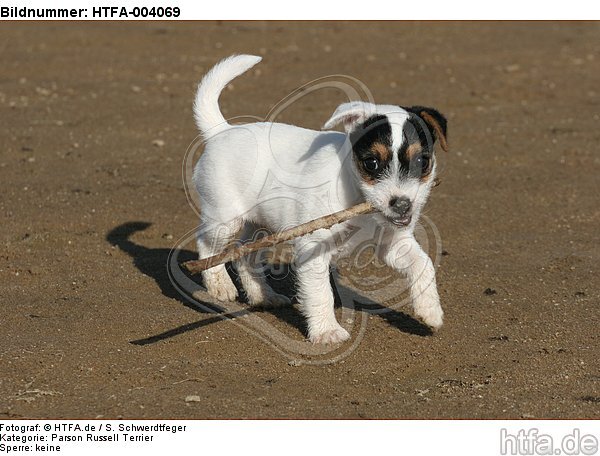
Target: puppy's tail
(208, 116)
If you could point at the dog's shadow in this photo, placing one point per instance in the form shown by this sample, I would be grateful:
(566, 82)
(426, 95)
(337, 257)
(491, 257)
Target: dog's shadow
(153, 263)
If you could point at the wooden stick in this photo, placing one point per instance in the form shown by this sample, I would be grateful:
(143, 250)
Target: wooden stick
(236, 252)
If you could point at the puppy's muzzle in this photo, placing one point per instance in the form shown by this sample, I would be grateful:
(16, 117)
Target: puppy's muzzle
(401, 208)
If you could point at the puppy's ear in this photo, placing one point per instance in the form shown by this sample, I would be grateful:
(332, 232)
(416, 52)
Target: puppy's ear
(350, 114)
(435, 122)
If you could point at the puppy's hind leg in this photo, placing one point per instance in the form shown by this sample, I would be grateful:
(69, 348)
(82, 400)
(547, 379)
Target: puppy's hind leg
(253, 280)
(211, 241)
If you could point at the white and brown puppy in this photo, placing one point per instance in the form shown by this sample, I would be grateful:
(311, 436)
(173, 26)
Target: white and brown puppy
(277, 176)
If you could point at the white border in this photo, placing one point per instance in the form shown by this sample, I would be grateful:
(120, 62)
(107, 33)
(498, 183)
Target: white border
(347, 10)
(301, 438)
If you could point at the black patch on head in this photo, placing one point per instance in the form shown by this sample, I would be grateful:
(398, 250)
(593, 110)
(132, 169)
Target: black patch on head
(417, 147)
(371, 140)
(435, 114)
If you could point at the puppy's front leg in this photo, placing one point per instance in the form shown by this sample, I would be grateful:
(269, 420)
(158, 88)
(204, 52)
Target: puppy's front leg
(406, 256)
(316, 301)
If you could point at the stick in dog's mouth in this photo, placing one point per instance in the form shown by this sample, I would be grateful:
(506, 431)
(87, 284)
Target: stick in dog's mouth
(236, 252)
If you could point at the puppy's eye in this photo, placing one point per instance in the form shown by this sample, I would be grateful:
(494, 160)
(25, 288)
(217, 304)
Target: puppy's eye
(423, 164)
(371, 164)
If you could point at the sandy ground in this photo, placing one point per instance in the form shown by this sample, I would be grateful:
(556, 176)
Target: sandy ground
(96, 119)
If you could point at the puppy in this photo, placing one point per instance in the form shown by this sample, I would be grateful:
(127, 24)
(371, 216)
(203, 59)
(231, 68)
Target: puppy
(276, 176)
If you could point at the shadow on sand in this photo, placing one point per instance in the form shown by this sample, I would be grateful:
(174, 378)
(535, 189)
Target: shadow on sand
(153, 263)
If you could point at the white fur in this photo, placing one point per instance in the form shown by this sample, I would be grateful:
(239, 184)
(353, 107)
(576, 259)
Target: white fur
(206, 106)
(277, 176)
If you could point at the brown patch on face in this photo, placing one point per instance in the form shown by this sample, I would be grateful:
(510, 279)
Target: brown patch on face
(413, 149)
(427, 174)
(424, 178)
(438, 130)
(366, 177)
(381, 151)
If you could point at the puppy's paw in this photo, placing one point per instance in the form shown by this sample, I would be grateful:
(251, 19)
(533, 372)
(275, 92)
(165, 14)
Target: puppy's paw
(222, 290)
(431, 313)
(225, 294)
(329, 336)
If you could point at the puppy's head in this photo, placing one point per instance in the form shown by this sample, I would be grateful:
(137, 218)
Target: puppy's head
(393, 154)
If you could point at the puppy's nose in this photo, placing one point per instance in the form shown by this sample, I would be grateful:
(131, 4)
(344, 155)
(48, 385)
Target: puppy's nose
(400, 206)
